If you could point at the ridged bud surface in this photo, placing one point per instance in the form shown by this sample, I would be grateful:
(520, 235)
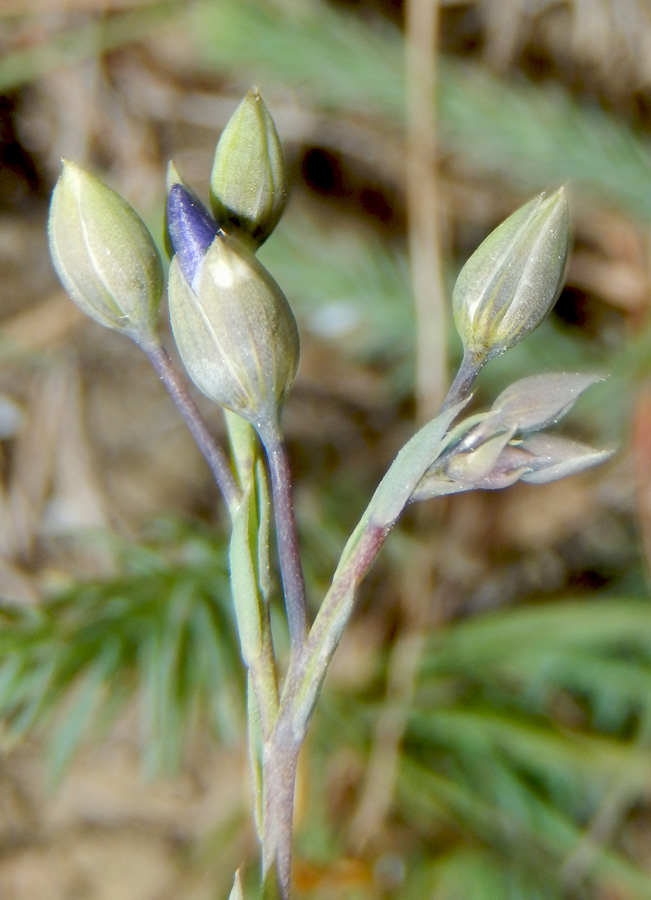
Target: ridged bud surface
(248, 183)
(514, 277)
(104, 255)
(235, 331)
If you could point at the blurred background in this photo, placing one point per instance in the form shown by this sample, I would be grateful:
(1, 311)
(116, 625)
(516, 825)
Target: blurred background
(485, 730)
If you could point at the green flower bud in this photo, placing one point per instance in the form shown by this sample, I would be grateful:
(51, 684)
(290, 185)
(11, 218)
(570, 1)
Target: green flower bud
(530, 404)
(235, 331)
(470, 468)
(105, 256)
(554, 457)
(248, 183)
(514, 277)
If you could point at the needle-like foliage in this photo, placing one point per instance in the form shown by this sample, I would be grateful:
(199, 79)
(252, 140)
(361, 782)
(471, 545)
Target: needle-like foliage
(160, 632)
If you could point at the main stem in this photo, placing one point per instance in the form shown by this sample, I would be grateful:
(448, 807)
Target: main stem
(278, 780)
(289, 557)
(306, 672)
(210, 449)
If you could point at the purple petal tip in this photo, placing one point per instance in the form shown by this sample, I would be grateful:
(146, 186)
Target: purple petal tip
(191, 228)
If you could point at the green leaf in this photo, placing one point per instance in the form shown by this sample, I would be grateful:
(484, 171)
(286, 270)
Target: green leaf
(536, 833)
(418, 454)
(255, 752)
(264, 529)
(243, 557)
(244, 443)
(162, 627)
(70, 730)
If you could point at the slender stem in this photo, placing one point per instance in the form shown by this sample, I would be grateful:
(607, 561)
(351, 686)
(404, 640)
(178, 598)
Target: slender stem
(210, 449)
(291, 570)
(471, 366)
(306, 672)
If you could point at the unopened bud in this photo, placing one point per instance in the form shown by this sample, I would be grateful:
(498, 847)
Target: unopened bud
(531, 404)
(554, 456)
(513, 279)
(248, 183)
(472, 467)
(105, 256)
(234, 330)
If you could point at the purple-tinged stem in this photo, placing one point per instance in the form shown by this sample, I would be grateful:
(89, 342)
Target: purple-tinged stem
(289, 557)
(279, 782)
(212, 452)
(471, 366)
(304, 679)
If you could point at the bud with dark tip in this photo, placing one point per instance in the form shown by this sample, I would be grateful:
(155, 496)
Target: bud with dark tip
(234, 329)
(248, 183)
(105, 256)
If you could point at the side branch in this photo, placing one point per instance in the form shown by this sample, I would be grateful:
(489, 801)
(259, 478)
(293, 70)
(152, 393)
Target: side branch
(291, 569)
(212, 452)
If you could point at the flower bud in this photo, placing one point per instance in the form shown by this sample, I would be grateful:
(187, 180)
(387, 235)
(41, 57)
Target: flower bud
(531, 404)
(248, 183)
(234, 330)
(105, 256)
(472, 467)
(513, 279)
(501, 461)
(554, 457)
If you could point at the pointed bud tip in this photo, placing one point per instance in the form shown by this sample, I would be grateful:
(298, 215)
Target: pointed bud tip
(172, 176)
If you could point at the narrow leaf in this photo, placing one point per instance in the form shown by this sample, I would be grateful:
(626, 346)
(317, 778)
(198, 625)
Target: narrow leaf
(264, 527)
(411, 463)
(243, 442)
(244, 581)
